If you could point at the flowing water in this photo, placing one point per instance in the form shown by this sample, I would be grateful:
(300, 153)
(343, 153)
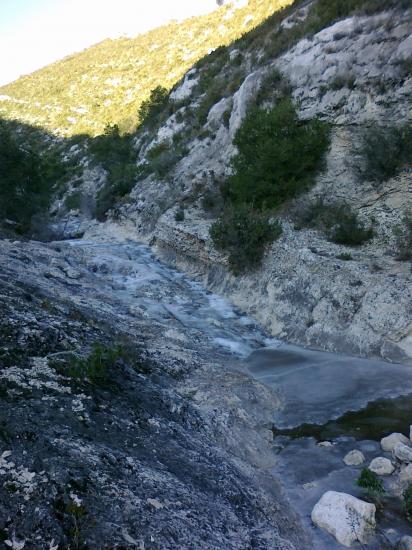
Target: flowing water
(350, 402)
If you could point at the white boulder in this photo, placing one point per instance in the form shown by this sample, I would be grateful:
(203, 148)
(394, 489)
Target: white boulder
(403, 452)
(381, 466)
(344, 516)
(354, 458)
(388, 443)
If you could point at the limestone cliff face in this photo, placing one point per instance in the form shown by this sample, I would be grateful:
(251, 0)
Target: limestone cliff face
(350, 74)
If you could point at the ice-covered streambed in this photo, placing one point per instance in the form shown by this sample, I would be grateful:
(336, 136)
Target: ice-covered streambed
(350, 402)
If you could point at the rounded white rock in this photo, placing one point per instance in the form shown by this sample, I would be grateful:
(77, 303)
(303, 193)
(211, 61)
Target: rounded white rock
(403, 452)
(381, 466)
(354, 458)
(388, 443)
(346, 517)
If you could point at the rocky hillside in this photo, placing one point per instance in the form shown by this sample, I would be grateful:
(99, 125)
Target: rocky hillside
(112, 435)
(349, 67)
(106, 84)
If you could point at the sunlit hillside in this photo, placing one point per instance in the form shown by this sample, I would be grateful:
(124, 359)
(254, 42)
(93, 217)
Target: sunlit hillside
(105, 84)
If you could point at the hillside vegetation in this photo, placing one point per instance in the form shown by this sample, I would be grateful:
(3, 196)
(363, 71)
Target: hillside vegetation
(107, 83)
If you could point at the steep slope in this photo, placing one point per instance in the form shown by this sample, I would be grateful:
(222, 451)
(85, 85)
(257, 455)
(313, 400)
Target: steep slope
(107, 83)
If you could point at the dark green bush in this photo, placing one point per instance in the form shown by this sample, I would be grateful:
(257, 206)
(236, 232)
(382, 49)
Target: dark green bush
(273, 84)
(345, 228)
(226, 117)
(244, 234)
(278, 156)
(212, 201)
(180, 215)
(314, 214)
(151, 108)
(214, 94)
(370, 482)
(385, 151)
(96, 367)
(407, 502)
(27, 179)
(340, 223)
(73, 201)
(162, 158)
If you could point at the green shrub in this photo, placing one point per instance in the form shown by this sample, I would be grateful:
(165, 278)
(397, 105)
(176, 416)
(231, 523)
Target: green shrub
(345, 228)
(339, 222)
(213, 95)
(370, 482)
(180, 215)
(278, 156)
(405, 67)
(151, 108)
(96, 367)
(385, 151)
(226, 117)
(212, 201)
(162, 158)
(314, 214)
(271, 85)
(244, 234)
(407, 502)
(73, 201)
(404, 239)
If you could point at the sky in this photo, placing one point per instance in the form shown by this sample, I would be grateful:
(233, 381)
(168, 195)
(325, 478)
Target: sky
(34, 33)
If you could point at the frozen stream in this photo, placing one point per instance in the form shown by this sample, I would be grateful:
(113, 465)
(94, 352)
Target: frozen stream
(317, 389)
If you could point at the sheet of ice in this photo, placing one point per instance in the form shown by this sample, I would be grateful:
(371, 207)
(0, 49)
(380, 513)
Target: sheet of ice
(316, 386)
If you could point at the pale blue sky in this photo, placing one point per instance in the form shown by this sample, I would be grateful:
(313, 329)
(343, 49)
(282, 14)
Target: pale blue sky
(34, 33)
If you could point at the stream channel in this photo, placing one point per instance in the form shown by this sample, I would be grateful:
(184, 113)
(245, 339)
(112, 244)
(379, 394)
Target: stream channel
(351, 403)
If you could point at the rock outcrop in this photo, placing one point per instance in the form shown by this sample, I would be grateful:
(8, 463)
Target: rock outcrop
(350, 74)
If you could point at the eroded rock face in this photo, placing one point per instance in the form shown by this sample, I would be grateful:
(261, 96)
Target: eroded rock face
(349, 74)
(347, 518)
